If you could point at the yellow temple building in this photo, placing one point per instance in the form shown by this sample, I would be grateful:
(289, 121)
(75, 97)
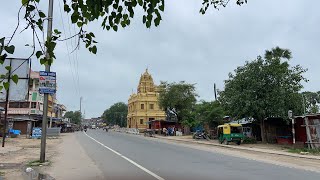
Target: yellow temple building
(143, 106)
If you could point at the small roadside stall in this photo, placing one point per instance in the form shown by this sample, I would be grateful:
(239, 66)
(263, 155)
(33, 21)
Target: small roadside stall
(171, 126)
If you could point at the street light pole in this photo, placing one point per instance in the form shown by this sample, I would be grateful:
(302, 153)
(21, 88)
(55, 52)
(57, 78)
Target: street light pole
(45, 100)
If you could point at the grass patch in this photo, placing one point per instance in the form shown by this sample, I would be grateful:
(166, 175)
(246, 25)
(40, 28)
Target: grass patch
(304, 151)
(38, 163)
(2, 173)
(248, 140)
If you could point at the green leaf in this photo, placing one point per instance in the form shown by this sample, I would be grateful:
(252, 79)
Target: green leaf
(43, 61)
(148, 24)
(67, 8)
(6, 85)
(39, 53)
(108, 28)
(161, 7)
(8, 68)
(94, 49)
(24, 2)
(30, 8)
(10, 49)
(79, 24)
(157, 21)
(91, 34)
(74, 17)
(15, 78)
(2, 58)
(2, 40)
(1, 87)
(144, 19)
(41, 14)
(140, 2)
(115, 28)
(56, 31)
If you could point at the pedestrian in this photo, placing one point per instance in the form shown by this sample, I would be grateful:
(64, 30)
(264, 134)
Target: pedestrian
(173, 131)
(164, 131)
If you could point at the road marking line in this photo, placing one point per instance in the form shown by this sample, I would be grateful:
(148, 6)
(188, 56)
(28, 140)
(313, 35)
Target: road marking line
(124, 157)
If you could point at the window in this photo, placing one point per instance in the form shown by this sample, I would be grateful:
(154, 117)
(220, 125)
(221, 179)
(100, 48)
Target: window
(142, 106)
(141, 121)
(33, 105)
(14, 105)
(151, 106)
(236, 129)
(19, 104)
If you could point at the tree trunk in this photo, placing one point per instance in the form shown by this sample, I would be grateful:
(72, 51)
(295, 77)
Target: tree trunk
(263, 139)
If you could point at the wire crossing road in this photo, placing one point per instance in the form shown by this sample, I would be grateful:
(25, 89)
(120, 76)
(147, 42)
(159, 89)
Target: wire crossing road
(122, 156)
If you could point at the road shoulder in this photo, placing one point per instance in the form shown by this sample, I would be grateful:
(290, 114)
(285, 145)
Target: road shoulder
(72, 162)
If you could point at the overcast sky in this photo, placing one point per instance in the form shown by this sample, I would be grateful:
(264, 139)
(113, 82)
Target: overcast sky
(187, 46)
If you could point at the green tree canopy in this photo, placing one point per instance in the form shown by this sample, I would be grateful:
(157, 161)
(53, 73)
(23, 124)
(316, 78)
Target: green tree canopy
(265, 87)
(180, 96)
(210, 113)
(75, 116)
(312, 100)
(116, 114)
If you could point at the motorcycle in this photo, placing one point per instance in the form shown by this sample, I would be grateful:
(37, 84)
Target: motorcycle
(201, 135)
(85, 130)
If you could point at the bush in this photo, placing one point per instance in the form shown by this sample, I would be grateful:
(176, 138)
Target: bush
(248, 140)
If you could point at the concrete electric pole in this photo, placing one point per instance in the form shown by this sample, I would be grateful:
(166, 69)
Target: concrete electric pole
(45, 100)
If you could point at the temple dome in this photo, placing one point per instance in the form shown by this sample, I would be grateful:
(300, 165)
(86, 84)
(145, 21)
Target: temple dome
(146, 83)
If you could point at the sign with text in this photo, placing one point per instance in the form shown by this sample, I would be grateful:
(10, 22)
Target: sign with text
(36, 133)
(47, 82)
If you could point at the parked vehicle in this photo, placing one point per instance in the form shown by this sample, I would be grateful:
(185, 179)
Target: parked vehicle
(93, 127)
(230, 133)
(201, 135)
(149, 133)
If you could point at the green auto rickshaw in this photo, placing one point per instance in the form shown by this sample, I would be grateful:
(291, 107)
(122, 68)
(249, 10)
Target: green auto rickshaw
(230, 133)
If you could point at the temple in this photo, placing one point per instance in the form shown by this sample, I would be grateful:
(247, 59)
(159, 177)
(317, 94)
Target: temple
(143, 106)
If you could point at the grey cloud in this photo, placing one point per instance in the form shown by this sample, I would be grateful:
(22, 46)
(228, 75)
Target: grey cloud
(199, 49)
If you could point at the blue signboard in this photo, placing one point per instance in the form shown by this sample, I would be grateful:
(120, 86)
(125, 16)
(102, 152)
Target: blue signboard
(36, 133)
(47, 82)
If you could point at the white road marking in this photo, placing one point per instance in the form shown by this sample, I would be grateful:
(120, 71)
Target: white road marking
(124, 157)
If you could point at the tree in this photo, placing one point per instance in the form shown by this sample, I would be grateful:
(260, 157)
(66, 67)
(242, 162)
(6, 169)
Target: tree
(74, 116)
(180, 96)
(112, 13)
(210, 113)
(312, 99)
(265, 87)
(116, 114)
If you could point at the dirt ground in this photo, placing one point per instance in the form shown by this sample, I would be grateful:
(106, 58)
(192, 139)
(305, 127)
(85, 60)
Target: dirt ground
(20, 151)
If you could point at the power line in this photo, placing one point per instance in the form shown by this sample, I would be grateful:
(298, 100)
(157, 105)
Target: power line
(68, 51)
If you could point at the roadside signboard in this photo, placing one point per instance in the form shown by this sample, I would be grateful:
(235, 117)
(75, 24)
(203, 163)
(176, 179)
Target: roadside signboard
(36, 133)
(47, 82)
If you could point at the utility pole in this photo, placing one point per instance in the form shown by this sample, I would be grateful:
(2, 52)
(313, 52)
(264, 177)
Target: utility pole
(215, 91)
(45, 100)
(6, 110)
(80, 104)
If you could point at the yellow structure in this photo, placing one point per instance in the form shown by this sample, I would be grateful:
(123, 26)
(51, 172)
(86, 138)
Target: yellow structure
(143, 106)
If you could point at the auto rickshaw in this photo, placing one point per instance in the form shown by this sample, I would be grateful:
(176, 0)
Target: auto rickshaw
(230, 133)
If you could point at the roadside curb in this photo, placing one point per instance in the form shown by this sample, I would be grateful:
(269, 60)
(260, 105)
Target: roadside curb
(242, 148)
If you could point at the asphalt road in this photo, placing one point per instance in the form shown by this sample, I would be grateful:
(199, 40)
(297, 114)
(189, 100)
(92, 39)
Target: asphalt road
(122, 156)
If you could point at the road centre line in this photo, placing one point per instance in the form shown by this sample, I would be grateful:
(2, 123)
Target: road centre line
(129, 160)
